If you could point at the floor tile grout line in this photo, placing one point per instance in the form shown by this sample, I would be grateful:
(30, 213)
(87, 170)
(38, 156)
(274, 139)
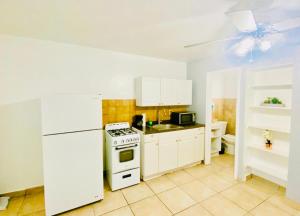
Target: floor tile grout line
(161, 200)
(131, 210)
(21, 205)
(160, 191)
(267, 201)
(164, 204)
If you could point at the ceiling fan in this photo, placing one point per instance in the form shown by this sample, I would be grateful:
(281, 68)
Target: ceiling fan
(253, 35)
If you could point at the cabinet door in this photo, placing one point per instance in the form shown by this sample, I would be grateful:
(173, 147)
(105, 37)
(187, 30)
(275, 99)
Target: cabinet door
(167, 151)
(169, 92)
(184, 92)
(147, 91)
(150, 159)
(186, 151)
(199, 147)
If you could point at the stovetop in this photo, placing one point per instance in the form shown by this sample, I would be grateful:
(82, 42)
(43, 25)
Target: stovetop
(121, 132)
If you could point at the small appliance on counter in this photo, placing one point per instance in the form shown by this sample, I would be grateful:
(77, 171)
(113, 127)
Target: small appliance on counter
(183, 118)
(139, 121)
(122, 155)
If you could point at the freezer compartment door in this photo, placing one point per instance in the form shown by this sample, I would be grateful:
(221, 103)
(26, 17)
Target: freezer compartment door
(71, 112)
(73, 170)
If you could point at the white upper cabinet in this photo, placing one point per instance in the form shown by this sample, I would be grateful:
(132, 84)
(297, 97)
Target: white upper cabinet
(168, 92)
(163, 92)
(184, 92)
(147, 91)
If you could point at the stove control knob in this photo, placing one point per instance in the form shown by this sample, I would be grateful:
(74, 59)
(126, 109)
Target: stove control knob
(115, 142)
(127, 140)
(122, 141)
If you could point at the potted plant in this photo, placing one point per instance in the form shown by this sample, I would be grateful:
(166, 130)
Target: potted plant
(273, 101)
(268, 136)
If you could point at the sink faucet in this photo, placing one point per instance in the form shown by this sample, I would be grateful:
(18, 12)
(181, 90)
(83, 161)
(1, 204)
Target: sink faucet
(158, 116)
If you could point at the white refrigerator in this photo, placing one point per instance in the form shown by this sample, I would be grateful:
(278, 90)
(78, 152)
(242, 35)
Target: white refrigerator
(72, 151)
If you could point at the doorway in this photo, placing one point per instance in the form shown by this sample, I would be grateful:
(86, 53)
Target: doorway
(222, 108)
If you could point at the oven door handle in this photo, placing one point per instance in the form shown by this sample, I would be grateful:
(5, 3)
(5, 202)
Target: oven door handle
(125, 147)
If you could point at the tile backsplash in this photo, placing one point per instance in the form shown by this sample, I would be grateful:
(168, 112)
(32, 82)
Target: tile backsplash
(225, 110)
(124, 110)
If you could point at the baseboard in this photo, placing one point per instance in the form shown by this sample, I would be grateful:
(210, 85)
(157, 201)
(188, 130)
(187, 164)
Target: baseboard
(29, 191)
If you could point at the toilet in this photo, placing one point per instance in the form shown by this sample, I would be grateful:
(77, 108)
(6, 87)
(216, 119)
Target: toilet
(229, 141)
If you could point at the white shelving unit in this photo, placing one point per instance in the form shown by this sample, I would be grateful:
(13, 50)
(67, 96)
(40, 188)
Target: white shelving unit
(271, 164)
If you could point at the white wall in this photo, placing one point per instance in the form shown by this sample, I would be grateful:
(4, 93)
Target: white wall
(20, 146)
(198, 72)
(32, 68)
(224, 84)
(293, 190)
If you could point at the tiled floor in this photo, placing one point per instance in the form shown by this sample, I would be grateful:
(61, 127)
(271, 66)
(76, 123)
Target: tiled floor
(200, 190)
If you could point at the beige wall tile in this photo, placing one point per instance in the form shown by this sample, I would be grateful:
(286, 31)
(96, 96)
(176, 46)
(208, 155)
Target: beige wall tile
(124, 110)
(225, 110)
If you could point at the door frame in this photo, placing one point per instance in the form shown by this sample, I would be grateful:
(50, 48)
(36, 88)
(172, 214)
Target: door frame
(208, 116)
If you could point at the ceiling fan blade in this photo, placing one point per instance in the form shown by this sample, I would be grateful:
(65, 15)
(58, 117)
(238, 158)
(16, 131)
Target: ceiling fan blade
(243, 20)
(245, 46)
(287, 25)
(211, 42)
(251, 5)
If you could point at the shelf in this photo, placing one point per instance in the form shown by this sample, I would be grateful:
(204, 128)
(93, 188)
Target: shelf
(215, 137)
(271, 108)
(269, 151)
(275, 129)
(273, 173)
(274, 86)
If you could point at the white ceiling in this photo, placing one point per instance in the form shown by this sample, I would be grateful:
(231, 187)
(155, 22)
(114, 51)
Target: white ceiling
(157, 28)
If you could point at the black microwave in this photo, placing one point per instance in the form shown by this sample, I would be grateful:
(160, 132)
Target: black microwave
(183, 118)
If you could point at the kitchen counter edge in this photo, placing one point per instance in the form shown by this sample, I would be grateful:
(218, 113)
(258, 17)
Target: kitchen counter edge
(149, 130)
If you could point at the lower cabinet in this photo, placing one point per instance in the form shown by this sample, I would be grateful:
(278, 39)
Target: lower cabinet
(149, 155)
(186, 152)
(167, 151)
(162, 152)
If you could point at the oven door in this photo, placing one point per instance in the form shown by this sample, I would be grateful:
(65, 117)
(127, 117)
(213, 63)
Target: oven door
(125, 157)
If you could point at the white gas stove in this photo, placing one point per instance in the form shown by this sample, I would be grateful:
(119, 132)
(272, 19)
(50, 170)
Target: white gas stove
(122, 155)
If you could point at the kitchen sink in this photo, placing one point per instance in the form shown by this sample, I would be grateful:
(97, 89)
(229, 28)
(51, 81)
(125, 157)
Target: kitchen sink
(166, 127)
